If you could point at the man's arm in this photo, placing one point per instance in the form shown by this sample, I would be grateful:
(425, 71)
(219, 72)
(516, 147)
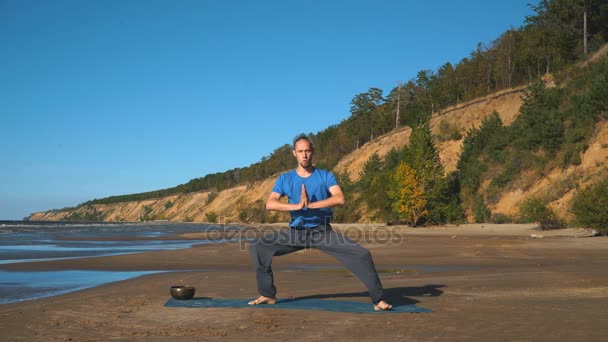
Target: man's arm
(337, 198)
(273, 202)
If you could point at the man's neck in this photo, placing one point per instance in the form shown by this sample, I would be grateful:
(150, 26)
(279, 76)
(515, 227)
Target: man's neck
(305, 171)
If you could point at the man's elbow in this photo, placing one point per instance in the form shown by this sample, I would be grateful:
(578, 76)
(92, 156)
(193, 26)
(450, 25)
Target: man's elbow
(271, 205)
(340, 200)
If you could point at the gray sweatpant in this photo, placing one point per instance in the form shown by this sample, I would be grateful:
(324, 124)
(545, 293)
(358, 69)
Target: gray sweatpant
(356, 258)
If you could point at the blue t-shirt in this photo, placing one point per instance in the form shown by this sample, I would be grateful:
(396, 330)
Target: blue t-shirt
(317, 187)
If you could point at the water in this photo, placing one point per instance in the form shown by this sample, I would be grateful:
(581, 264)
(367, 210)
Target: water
(20, 286)
(43, 241)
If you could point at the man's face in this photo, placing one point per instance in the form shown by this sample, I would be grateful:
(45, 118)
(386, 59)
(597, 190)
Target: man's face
(303, 153)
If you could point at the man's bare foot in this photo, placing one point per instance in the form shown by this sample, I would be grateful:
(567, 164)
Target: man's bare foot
(382, 306)
(263, 300)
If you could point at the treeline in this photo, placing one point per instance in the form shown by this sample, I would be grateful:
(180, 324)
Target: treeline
(550, 41)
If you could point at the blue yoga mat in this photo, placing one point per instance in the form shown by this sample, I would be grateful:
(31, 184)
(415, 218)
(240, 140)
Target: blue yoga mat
(300, 304)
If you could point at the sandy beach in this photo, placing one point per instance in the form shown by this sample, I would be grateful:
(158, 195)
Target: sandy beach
(482, 282)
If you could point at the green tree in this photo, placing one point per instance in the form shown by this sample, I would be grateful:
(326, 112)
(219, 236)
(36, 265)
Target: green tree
(423, 156)
(366, 115)
(370, 169)
(441, 194)
(471, 164)
(346, 213)
(539, 124)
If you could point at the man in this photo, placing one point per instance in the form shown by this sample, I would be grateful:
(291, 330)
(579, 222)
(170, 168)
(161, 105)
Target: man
(311, 195)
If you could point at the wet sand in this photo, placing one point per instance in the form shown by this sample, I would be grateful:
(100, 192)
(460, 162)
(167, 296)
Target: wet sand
(483, 282)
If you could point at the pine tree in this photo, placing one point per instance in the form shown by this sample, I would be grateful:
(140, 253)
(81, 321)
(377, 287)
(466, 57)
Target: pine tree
(443, 203)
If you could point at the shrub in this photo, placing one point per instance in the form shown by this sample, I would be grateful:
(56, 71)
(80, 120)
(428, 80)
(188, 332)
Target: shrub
(210, 197)
(589, 206)
(211, 217)
(244, 215)
(501, 218)
(159, 217)
(252, 212)
(534, 209)
(480, 210)
(90, 214)
(447, 132)
(145, 213)
(274, 218)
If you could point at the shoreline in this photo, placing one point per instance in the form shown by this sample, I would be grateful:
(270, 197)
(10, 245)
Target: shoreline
(480, 282)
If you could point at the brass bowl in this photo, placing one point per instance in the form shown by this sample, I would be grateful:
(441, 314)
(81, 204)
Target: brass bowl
(182, 292)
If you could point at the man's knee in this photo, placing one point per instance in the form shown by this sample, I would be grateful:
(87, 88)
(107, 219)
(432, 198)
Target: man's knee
(364, 253)
(262, 249)
(358, 252)
(256, 246)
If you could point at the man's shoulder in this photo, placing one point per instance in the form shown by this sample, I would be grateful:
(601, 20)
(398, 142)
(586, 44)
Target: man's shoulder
(289, 173)
(286, 175)
(323, 172)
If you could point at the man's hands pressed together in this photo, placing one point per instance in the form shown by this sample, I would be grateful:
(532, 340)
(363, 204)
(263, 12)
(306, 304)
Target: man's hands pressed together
(303, 198)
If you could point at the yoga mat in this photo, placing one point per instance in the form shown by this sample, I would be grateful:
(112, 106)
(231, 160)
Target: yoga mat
(295, 303)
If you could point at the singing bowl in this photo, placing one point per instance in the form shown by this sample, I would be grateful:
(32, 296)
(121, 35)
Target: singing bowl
(182, 292)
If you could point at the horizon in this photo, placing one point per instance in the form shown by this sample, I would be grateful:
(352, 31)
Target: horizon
(112, 98)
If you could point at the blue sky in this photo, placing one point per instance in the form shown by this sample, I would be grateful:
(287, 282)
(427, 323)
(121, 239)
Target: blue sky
(101, 98)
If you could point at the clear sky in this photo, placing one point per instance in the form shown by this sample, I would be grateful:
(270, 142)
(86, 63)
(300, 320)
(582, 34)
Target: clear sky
(112, 97)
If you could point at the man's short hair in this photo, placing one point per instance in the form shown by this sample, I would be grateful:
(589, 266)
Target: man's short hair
(302, 136)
